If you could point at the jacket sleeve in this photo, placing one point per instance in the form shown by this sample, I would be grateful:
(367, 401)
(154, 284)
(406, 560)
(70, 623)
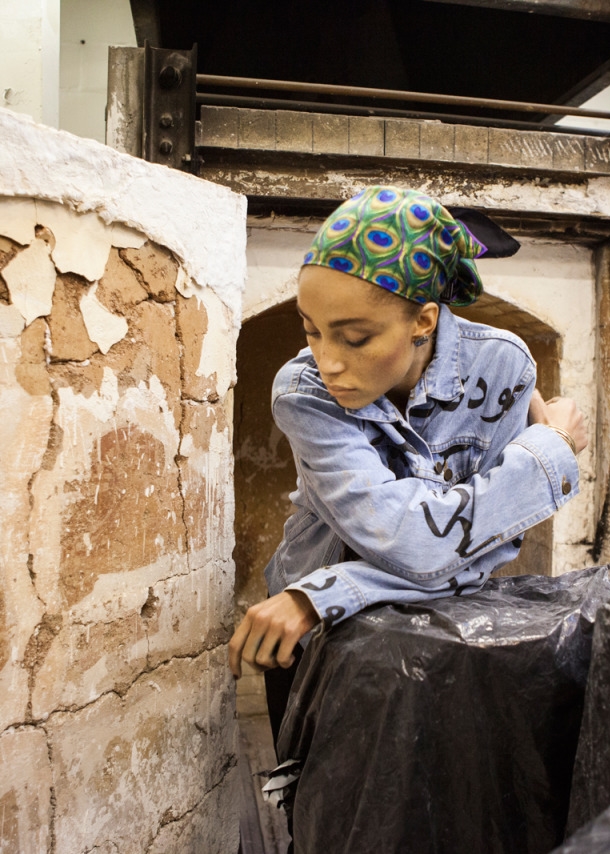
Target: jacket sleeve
(426, 541)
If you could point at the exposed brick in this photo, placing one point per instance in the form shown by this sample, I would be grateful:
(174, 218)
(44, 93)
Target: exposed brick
(257, 129)
(69, 338)
(402, 138)
(597, 155)
(8, 250)
(294, 131)
(119, 286)
(152, 322)
(568, 152)
(366, 136)
(330, 134)
(437, 141)
(157, 268)
(192, 324)
(127, 515)
(471, 144)
(31, 372)
(219, 127)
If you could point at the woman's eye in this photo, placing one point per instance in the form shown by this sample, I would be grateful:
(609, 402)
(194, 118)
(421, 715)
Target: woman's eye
(359, 342)
(311, 333)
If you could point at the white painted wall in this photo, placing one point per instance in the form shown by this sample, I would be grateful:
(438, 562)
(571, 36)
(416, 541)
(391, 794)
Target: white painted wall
(88, 28)
(29, 58)
(54, 59)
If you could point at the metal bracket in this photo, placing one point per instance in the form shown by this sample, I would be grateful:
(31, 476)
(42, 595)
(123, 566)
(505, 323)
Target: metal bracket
(168, 133)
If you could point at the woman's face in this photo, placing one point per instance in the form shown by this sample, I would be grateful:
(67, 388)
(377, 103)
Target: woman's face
(362, 341)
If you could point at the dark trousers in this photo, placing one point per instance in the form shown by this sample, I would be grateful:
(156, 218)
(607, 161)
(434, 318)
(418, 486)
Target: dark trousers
(278, 683)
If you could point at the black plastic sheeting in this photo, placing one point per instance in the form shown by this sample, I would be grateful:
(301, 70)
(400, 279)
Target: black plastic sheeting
(591, 779)
(445, 728)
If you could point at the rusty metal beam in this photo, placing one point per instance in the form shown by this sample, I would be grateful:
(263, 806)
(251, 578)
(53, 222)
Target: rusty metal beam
(395, 95)
(168, 126)
(590, 10)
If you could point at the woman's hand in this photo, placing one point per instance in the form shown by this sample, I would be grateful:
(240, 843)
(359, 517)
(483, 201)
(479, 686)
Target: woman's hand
(559, 412)
(270, 631)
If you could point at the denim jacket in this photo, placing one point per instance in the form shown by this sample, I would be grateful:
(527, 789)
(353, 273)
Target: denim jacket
(407, 509)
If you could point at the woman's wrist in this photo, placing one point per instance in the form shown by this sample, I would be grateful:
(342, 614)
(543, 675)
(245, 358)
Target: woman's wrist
(567, 437)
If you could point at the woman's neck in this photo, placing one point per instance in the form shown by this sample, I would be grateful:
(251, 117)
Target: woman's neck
(399, 395)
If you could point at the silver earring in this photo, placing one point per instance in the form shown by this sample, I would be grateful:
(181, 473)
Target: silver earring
(419, 342)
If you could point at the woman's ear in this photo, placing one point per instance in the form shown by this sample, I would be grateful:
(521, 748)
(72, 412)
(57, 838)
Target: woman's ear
(427, 319)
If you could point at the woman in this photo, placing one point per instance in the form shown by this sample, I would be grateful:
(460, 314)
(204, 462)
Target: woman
(417, 470)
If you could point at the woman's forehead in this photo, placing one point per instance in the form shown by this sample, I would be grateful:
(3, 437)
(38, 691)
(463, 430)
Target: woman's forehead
(336, 297)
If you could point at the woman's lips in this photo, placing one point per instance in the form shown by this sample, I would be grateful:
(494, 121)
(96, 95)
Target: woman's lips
(336, 389)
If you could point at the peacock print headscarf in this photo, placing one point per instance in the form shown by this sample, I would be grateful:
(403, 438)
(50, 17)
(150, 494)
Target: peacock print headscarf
(404, 242)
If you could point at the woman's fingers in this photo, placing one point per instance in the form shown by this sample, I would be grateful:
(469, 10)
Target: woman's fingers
(236, 646)
(561, 412)
(270, 630)
(564, 413)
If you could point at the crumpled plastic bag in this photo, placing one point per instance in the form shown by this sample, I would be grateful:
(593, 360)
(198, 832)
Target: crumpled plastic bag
(593, 838)
(444, 728)
(590, 794)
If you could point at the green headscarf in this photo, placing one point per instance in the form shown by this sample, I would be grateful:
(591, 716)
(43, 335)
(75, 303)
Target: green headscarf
(404, 242)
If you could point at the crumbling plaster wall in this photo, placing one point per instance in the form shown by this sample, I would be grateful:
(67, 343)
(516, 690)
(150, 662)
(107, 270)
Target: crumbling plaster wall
(120, 300)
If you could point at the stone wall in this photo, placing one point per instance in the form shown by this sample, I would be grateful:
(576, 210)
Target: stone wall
(120, 288)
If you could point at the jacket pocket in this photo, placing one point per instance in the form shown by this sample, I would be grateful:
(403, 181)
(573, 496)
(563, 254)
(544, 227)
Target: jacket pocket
(454, 462)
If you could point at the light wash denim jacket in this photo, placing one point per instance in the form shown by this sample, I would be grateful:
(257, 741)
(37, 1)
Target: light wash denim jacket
(393, 509)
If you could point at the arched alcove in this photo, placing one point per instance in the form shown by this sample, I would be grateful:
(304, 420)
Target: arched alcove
(264, 470)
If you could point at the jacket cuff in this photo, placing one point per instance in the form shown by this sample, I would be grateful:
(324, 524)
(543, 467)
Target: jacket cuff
(334, 596)
(556, 458)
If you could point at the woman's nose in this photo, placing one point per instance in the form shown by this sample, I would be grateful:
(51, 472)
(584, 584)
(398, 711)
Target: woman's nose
(328, 360)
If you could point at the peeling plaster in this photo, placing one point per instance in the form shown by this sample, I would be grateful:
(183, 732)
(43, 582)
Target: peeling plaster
(11, 321)
(108, 474)
(214, 351)
(17, 219)
(83, 241)
(208, 234)
(30, 277)
(103, 327)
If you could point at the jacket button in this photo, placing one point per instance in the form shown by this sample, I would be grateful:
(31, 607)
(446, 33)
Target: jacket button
(566, 486)
(448, 474)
